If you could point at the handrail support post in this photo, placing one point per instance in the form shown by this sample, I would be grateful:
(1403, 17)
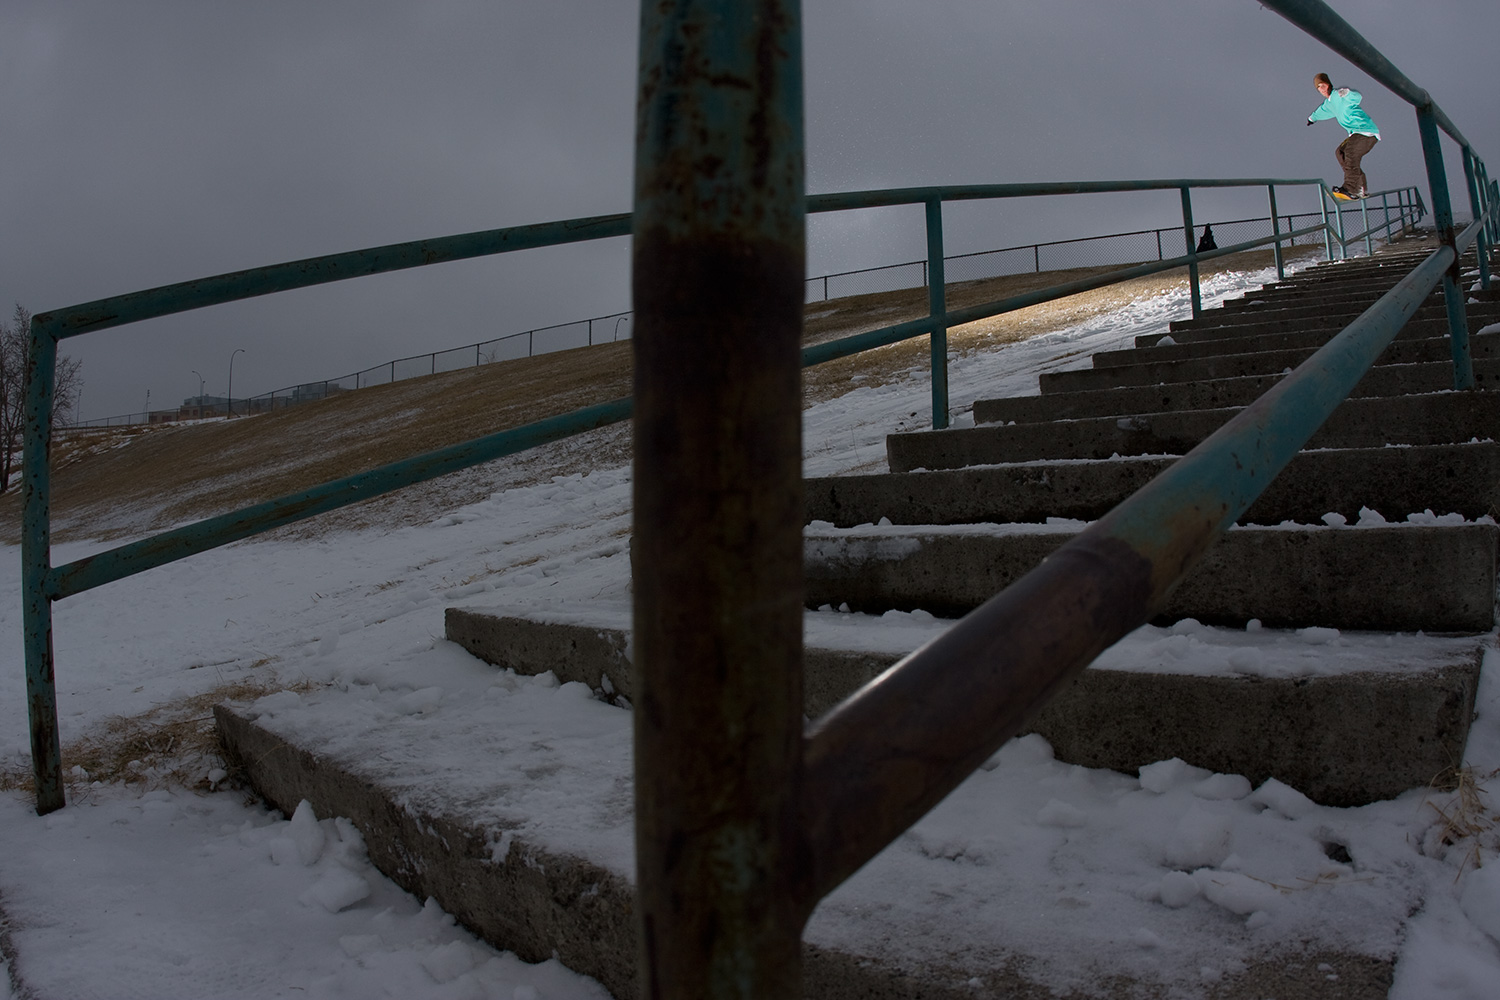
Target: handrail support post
(1276, 232)
(36, 561)
(718, 265)
(1442, 216)
(937, 308)
(1192, 250)
(1476, 203)
(1327, 231)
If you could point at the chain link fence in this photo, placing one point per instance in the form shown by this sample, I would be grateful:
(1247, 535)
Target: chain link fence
(1090, 251)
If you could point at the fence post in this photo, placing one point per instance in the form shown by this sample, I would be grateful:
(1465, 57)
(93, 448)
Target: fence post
(1476, 203)
(1036, 256)
(1442, 216)
(393, 377)
(937, 308)
(718, 261)
(1192, 249)
(1276, 232)
(36, 561)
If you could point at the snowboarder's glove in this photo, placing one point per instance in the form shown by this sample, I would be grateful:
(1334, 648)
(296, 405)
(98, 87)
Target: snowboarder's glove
(1309, 121)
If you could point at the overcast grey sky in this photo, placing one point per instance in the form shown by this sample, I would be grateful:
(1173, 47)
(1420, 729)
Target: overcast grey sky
(150, 142)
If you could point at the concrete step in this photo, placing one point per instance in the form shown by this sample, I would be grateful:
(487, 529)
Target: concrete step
(1398, 578)
(1383, 380)
(1370, 422)
(1157, 350)
(1170, 348)
(1276, 298)
(1415, 329)
(533, 850)
(1381, 715)
(1455, 478)
(1216, 366)
(1339, 314)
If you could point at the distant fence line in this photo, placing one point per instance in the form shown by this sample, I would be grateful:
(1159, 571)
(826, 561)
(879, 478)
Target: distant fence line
(1088, 251)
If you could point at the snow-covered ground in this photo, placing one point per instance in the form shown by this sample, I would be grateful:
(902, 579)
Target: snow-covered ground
(150, 888)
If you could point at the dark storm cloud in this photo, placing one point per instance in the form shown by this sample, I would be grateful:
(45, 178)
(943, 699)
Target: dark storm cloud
(152, 142)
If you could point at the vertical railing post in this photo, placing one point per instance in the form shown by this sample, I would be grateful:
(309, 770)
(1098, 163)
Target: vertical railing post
(718, 261)
(1364, 217)
(1327, 233)
(36, 561)
(1192, 249)
(1338, 220)
(1276, 232)
(937, 308)
(1442, 216)
(1385, 210)
(1481, 243)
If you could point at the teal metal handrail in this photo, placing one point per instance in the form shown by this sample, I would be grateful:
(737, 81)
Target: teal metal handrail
(44, 583)
(743, 820)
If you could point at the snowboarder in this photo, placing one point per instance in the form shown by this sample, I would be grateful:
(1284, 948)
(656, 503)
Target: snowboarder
(1343, 106)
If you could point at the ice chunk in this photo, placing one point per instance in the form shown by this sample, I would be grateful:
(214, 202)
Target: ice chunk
(1370, 518)
(306, 833)
(1283, 798)
(1057, 813)
(1165, 775)
(1223, 787)
(337, 889)
(1236, 893)
(1178, 889)
(1334, 519)
(1317, 635)
(421, 702)
(447, 962)
(1203, 838)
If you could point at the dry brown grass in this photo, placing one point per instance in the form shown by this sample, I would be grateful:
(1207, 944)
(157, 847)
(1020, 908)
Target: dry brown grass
(126, 482)
(171, 745)
(1465, 818)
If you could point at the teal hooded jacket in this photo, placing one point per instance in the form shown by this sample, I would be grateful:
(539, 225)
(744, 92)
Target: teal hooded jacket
(1343, 106)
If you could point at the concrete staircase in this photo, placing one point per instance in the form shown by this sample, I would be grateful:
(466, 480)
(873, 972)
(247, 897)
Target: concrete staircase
(1348, 653)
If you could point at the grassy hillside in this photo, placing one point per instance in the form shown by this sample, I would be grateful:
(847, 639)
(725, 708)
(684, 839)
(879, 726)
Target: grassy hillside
(124, 482)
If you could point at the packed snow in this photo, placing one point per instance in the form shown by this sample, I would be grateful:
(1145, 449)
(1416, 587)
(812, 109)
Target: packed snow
(174, 883)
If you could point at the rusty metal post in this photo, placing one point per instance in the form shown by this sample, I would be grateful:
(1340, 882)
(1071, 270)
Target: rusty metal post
(717, 276)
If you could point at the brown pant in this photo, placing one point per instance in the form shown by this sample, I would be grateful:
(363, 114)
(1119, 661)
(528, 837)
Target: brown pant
(1349, 153)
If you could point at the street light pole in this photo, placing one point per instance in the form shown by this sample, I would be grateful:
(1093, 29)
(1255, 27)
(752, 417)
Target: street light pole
(229, 407)
(200, 388)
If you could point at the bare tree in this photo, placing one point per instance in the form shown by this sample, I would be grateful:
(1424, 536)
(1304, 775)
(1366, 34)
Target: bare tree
(15, 342)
